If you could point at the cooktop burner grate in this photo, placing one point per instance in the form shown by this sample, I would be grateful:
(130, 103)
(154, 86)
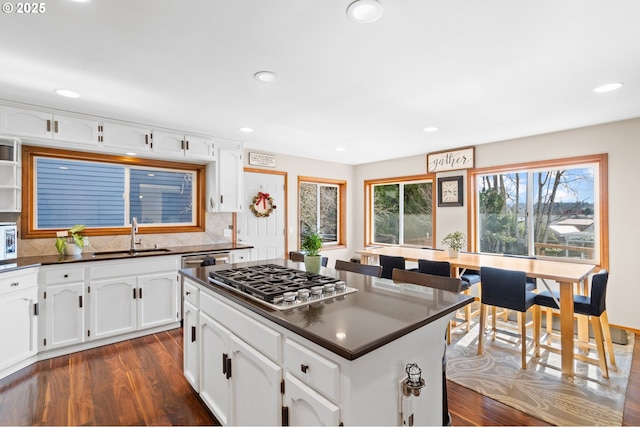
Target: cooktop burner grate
(270, 281)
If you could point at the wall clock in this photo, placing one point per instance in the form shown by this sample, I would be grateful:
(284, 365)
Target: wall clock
(450, 191)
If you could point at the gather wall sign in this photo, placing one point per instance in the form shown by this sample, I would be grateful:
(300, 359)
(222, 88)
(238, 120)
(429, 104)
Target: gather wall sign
(451, 160)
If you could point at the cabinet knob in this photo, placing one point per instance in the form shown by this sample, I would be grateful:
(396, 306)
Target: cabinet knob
(187, 293)
(66, 275)
(304, 368)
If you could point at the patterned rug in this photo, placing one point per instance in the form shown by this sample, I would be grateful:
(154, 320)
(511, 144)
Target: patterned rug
(541, 390)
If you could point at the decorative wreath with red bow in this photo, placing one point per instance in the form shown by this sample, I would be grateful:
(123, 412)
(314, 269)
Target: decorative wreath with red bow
(262, 205)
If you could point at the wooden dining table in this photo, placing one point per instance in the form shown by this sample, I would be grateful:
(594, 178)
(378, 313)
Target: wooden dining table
(566, 274)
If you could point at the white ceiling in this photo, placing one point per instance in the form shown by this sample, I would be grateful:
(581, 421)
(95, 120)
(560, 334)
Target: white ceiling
(480, 71)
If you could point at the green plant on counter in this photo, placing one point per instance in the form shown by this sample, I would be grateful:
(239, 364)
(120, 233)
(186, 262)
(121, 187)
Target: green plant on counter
(72, 236)
(311, 244)
(455, 240)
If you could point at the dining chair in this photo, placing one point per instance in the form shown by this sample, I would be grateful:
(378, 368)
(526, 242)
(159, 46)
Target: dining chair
(532, 283)
(388, 263)
(356, 267)
(507, 289)
(299, 257)
(594, 307)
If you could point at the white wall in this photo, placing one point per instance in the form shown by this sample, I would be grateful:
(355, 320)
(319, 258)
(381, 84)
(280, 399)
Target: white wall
(298, 166)
(621, 140)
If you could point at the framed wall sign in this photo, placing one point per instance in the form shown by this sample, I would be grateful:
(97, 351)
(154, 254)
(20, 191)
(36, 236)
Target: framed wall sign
(259, 159)
(450, 191)
(452, 160)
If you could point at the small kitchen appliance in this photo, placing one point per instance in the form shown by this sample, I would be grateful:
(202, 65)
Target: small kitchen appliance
(8, 240)
(280, 287)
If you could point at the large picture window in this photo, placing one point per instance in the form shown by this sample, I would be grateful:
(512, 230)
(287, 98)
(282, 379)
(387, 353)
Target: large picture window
(322, 209)
(401, 211)
(548, 209)
(105, 192)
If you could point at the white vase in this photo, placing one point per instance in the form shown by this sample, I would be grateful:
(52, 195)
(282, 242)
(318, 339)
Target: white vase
(72, 249)
(312, 263)
(453, 253)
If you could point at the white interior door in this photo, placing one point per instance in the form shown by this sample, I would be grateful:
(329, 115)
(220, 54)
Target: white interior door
(265, 234)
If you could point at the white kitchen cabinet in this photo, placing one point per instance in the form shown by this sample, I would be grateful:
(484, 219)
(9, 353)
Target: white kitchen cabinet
(239, 384)
(240, 255)
(191, 339)
(303, 406)
(48, 126)
(123, 138)
(18, 320)
(157, 299)
(224, 177)
(10, 176)
(181, 145)
(113, 307)
(64, 315)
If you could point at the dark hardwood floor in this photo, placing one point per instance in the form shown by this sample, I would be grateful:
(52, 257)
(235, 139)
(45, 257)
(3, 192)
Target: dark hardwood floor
(140, 382)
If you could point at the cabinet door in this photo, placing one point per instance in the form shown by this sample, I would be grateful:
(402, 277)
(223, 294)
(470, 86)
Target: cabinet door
(214, 384)
(18, 327)
(307, 407)
(23, 122)
(157, 300)
(64, 312)
(191, 343)
(112, 307)
(255, 386)
(168, 143)
(126, 138)
(197, 147)
(76, 130)
(230, 180)
(240, 255)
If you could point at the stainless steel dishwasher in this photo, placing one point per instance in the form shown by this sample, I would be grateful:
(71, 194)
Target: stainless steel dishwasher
(200, 259)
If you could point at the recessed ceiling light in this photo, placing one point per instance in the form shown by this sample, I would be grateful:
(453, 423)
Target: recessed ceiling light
(364, 11)
(131, 154)
(266, 76)
(608, 87)
(341, 149)
(431, 129)
(246, 130)
(68, 93)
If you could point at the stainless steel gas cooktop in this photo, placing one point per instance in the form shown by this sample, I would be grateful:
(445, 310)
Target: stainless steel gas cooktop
(280, 287)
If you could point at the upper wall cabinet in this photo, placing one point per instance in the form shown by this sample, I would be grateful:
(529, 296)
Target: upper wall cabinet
(224, 177)
(38, 124)
(187, 146)
(126, 138)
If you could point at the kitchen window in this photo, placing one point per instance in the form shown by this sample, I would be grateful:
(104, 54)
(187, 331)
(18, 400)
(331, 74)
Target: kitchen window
(400, 211)
(64, 188)
(552, 209)
(322, 208)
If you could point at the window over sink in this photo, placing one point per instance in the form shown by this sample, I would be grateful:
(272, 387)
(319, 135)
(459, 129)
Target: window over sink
(104, 192)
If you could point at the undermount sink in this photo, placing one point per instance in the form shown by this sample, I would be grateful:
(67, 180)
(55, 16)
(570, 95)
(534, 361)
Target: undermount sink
(132, 252)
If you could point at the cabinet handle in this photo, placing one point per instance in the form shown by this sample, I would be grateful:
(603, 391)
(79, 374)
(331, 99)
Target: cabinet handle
(134, 293)
(221, 199)
(187, 145)
(228, 367)
(140, 293)
(187, 293)
(66, 275)
(304, 368)
(285, 415)
(55, 126)
(36, 310)
(193, 334)
(48, 125)
(80, 300)
(14, 284)
(224, 363)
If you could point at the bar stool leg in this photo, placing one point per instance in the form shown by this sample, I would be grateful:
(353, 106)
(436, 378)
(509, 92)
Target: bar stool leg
(602, 358)
(607, 338)
(483, 316)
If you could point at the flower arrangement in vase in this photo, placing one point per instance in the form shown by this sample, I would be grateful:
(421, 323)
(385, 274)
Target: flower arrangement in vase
(455, 241)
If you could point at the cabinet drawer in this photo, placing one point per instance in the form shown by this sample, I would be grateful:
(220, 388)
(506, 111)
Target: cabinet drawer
(63, 275)
(315, 370)
(191, 294)
(261, 337)
(18, 280)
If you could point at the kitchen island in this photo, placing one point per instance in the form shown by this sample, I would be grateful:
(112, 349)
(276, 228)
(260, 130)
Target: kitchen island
(341, 360)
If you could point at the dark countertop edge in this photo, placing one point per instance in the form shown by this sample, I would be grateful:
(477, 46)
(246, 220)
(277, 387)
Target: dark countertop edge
(39, 260)
(340, 351)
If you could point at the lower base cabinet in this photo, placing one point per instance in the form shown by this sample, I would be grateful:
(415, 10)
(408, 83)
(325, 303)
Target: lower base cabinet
(18, 328)
(303, 406)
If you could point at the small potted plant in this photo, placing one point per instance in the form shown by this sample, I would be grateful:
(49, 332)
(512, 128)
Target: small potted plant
(455, 242)
(70, 242)
(311, 245)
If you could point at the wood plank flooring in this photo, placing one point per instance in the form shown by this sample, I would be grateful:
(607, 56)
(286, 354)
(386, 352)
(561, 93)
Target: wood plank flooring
(140, 382)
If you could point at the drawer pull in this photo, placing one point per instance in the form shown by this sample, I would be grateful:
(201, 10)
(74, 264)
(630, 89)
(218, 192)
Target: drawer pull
(188, 293)
(14, 284)
(193, 334)
(66, 276)
(304, 368)
(224, 363)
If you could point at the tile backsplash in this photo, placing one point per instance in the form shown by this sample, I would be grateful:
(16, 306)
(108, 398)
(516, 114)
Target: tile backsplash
(216, 223)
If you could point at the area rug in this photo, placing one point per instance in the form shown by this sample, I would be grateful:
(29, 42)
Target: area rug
(541, 390)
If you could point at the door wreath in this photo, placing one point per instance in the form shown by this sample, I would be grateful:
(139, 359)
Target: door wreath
(262, 205)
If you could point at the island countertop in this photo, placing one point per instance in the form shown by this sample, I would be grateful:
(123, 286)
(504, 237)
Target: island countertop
(354, 324)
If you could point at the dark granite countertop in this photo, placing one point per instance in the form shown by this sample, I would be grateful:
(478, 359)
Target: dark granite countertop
(380, 312)
(86, 256)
